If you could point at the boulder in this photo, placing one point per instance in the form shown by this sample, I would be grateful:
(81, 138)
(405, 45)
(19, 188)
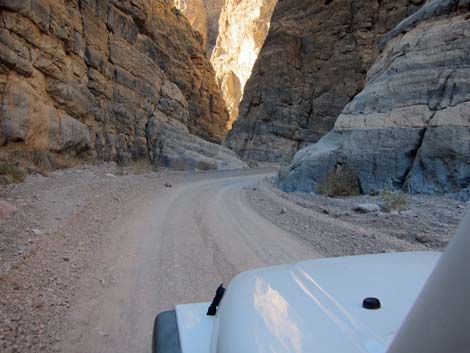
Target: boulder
(173, 146)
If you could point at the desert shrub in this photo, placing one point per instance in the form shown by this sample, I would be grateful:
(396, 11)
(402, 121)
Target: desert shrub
(11, 173)
(340, 183)
(252, 164)
(394, 201)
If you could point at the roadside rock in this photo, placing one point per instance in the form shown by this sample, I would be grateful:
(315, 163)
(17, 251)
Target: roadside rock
(170, 142)
(313, 62)
(174, 147)
(409, 127)
(367, 208)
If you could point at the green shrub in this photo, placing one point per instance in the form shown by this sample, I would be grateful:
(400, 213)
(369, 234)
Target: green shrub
(340, 183)
(10, 173)
(394, 201)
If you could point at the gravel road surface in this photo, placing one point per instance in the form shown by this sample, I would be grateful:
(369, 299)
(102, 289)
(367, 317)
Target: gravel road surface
(89, 255)
(176, 246)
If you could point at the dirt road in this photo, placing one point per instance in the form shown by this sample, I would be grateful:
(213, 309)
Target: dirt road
(92, 253)
(176, 246)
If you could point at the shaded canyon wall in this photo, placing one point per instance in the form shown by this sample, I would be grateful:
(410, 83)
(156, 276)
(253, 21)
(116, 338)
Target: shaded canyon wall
(409, 128)
(314, 61)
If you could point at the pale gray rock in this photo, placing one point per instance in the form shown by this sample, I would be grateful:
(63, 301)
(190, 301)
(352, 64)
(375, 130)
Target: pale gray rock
(173, 146)
(409, 128)
(367, 207)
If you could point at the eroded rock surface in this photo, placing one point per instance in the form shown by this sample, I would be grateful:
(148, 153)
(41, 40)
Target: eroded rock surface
(87, 76)
(314, 61)
(410, 126)
(172, 145)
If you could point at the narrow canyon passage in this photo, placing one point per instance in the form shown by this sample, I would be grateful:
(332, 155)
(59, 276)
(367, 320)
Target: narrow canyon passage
(175, 247)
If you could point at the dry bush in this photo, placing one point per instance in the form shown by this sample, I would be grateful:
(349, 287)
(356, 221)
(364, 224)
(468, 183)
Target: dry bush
(17, 160)
(340, 183)
(394, 201)
(11, 173)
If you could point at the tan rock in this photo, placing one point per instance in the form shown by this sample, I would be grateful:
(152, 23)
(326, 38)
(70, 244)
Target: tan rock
(88, 77)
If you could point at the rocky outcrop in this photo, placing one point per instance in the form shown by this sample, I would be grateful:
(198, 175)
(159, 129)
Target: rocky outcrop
(88, 76)
(203, 15)
(196, 13)
(174, 147)
(314, 61)
(243, 27)
(410, 126)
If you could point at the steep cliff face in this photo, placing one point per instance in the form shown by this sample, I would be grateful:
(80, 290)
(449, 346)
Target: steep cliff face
(410, 126)
(314, 61)
(243, 27)
(86, 75)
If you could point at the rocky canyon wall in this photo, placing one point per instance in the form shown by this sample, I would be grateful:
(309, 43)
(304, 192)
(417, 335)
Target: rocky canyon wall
(203, 15)
(314, 61)
(94, 76)
(234, 32)
(409, 128)
(243, 27)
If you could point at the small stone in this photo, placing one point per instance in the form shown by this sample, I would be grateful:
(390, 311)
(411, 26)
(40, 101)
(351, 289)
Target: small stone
(254, 189)
(109, 175)
(367, 208)
(283, 210)
(66, 259)
(462, 207)
(37, 231)
(423, 238)
(168, 185)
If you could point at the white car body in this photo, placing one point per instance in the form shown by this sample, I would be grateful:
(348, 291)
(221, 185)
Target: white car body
(312, 306)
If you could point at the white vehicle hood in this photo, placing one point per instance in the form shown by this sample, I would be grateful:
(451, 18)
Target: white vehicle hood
(316, 306)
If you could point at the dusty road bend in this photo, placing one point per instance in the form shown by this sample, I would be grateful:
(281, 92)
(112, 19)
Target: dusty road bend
(176, 246)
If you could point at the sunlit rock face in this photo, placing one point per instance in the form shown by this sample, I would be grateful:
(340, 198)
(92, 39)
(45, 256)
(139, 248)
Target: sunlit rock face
(243, 26)
(313, 62)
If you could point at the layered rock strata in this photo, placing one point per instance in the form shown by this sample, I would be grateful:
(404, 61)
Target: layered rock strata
(88, 76)
(410, 127)
(314, 61)
(243, 27)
